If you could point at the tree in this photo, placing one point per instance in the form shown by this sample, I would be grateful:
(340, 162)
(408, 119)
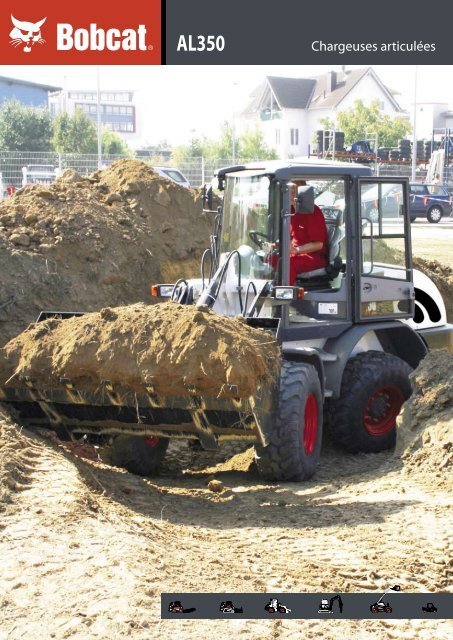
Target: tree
(75, 134)
(24, 128)
(356, 122)
(253, 146)
(112, 144)
(249, 146)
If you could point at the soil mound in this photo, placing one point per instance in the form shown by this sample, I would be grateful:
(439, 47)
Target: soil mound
(84, 243)
(425, 427)
(15, 453)
(168, 345)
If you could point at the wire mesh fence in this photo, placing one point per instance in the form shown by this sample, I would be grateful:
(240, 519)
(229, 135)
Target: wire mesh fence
(19, 168)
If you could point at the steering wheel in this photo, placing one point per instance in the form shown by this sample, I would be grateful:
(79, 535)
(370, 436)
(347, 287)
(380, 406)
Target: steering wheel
(255, 237)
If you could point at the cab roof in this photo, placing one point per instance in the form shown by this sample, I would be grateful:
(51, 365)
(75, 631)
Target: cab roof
(287, 169)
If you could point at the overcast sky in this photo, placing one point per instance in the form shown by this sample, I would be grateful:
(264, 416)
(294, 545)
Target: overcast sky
(185, 101)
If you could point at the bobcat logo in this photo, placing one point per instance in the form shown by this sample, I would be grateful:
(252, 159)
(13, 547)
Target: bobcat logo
(28, 33)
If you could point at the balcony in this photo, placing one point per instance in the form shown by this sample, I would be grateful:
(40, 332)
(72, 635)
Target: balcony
(267, 114)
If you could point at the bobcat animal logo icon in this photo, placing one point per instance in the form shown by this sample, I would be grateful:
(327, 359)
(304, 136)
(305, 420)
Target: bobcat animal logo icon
(26, 33)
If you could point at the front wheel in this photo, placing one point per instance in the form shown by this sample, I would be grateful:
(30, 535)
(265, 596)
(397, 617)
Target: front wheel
(138, 454)
(295, 442)
(373, 389)
(435, 214)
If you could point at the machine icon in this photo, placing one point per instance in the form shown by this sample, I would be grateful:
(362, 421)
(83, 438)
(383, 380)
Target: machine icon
(326, 606)
(384, 607)
(430, 608)
(274, 606)
(228, 607)
(176, 607)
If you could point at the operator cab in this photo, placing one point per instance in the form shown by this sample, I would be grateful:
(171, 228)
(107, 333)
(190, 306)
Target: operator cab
(367, 268)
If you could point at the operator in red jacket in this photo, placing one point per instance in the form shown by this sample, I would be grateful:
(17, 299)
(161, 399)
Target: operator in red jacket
(308, 234)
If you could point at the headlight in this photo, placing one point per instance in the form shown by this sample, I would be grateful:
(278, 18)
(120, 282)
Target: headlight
(288, 293)
(162, 290)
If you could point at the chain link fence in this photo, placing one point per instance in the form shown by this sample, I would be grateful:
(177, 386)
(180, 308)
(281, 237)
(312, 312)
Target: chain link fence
(17, 168)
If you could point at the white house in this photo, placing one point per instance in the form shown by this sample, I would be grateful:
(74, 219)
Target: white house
(288, 110)
(433, 115)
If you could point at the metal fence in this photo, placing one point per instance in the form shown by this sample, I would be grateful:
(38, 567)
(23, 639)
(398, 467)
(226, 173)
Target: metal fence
(46, 166)
(197, 170)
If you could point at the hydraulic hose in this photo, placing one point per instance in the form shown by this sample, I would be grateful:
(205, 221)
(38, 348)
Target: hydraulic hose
(211, 294)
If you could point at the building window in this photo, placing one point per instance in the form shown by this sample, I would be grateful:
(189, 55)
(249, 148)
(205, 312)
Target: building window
(277, 136)
(294, 136)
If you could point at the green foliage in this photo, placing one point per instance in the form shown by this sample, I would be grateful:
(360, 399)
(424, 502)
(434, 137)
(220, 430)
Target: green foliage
(24, 128)
(78, 134)
(253, 146)
(249, 146)
(112, 144)
(75, 134)
(356, 122)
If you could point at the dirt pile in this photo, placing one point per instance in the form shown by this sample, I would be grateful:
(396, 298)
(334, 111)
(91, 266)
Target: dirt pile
(425, 427)
(16, 451)
(85, 243)
(168, 345)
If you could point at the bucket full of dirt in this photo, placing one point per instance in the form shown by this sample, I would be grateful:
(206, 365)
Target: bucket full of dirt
(174, 347)
(145, 370)
(425, 427)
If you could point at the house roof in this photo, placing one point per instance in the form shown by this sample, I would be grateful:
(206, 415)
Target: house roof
(292, 93)
(313, 93)
(345, 82)
(28, 83)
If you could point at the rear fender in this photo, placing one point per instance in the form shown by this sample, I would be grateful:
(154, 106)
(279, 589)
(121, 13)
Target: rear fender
(390, 337)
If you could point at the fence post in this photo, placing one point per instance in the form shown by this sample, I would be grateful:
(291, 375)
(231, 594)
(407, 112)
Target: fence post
(202, 170)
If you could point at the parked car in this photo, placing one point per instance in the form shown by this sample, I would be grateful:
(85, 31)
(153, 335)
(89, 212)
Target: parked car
(173, 174)
(391, 199)
(39, 174)
(431, 201)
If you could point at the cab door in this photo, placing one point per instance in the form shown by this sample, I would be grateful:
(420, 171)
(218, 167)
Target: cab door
(383, 282)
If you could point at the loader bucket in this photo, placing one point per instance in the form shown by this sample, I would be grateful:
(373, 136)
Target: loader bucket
(113, 409)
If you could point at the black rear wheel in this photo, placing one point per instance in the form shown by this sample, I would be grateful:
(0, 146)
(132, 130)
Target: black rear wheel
(138, 454)
(373, 389)
(295, 442)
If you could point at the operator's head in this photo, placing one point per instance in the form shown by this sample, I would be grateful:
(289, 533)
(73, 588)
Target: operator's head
(305, 200)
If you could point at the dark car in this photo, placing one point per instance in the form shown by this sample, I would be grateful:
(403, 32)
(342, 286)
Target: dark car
(430, 201)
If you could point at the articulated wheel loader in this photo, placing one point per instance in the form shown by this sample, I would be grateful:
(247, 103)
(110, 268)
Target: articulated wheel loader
(350, 331)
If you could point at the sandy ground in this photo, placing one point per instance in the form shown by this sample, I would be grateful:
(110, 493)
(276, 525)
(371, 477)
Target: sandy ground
(87, 549)
(433, 240)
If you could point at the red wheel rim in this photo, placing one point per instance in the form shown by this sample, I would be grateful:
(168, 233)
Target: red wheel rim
(382, 409)
(151, 441)
(310, 424)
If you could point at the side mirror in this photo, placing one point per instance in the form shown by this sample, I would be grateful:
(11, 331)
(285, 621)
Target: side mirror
(207, 197)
